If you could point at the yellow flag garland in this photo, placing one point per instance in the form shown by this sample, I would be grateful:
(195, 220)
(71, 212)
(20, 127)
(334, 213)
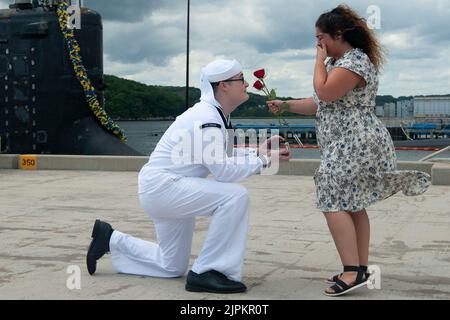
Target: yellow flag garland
(81, 73)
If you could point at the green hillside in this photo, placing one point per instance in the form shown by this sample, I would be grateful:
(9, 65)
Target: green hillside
(131, 100)
(127, 99)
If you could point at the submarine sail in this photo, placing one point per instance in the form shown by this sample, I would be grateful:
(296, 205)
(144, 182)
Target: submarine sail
(43, 106)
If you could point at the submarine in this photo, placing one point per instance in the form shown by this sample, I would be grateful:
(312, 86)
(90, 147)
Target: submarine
(52, 84)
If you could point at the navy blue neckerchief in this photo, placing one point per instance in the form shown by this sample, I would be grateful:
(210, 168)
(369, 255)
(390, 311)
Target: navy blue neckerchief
(226, 122)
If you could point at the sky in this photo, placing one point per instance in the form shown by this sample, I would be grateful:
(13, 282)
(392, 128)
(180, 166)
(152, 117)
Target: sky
(145, 40)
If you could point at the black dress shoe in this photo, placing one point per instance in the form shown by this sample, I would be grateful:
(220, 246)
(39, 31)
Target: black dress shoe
(214, 282)
(101, 233)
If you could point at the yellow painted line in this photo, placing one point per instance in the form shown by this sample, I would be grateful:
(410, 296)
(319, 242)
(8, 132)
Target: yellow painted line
(27, 162)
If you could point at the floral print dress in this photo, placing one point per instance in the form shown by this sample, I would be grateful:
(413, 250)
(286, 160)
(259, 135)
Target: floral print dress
(358, 164)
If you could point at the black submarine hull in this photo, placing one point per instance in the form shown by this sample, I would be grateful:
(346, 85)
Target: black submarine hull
(43, 109)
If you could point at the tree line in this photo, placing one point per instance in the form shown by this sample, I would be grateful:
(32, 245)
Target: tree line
(131, 100)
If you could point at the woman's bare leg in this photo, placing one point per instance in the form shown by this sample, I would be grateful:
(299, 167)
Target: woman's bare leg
(362, 227)
(343, 231)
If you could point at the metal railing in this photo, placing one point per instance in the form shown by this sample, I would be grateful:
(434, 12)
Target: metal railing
(404, 132)
(435, 154)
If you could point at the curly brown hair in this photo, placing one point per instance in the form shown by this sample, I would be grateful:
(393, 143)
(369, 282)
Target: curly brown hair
(342, 20)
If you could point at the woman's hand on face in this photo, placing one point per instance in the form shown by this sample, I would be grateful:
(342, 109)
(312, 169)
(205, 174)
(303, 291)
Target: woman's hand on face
(275, 106)
(322, 53)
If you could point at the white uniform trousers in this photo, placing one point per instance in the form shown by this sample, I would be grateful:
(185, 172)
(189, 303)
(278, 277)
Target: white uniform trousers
(173, 206)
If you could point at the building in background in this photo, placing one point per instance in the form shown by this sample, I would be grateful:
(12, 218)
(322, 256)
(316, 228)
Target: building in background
(435, 109)
(432, 109)
(389, 110)
(405, 109)
(379, 111)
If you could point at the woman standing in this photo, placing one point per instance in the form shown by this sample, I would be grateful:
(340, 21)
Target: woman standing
(358, 164)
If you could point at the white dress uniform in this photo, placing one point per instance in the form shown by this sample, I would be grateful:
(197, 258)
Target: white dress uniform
(174, 189)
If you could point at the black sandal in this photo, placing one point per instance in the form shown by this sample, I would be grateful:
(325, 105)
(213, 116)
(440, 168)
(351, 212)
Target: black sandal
(340, 288)
(335, 278)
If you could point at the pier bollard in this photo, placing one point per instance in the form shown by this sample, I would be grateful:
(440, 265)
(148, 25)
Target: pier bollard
(27, 162)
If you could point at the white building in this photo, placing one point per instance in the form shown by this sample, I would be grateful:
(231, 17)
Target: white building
(379, 111)
(389, 110)
(405, 109)
(432, 107)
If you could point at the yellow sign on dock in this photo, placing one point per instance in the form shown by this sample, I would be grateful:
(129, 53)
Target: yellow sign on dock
(27, 162)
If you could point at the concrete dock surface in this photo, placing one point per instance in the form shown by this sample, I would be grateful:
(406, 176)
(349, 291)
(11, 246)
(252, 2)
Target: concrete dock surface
(47, 217)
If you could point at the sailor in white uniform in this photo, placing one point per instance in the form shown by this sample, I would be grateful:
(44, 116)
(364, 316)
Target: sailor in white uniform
(174, 190)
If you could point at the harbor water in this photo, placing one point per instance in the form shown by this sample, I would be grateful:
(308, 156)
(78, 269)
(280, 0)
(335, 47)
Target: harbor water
(144, 135)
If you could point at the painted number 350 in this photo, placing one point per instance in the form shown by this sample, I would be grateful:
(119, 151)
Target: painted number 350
(28, 162)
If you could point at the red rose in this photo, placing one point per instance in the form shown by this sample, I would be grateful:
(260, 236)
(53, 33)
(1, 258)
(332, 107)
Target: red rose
(259, 73)
(258, 85)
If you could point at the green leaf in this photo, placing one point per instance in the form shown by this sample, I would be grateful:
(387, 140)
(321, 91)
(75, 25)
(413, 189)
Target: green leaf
(284, 106)
(272, 95)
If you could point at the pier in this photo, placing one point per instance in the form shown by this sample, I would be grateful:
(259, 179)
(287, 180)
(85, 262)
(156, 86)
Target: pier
(47, 216)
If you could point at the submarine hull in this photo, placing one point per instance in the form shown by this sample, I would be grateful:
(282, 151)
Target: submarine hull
(43, 109)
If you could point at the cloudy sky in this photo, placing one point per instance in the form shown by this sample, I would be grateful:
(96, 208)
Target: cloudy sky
(145, 40)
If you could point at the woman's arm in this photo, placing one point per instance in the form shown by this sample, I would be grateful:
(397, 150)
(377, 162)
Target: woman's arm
(333, 86)
(303, 106)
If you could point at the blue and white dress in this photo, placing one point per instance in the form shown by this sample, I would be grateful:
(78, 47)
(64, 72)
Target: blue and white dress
(358, 164)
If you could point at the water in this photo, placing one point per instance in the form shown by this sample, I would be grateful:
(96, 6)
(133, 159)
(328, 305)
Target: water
(144, 135)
